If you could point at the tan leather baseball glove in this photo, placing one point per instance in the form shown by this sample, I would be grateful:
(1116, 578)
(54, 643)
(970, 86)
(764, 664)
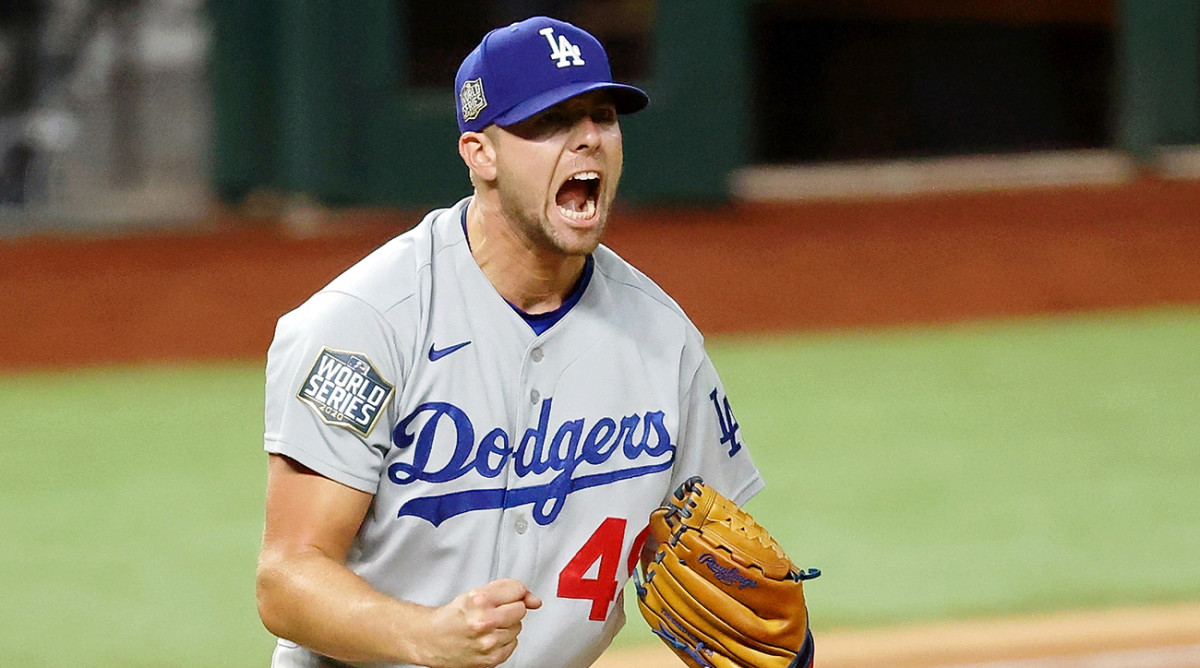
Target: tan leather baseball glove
(719, 591)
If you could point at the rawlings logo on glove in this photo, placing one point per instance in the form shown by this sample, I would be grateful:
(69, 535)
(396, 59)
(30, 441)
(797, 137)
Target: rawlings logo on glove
(729, 576)
(720, 592)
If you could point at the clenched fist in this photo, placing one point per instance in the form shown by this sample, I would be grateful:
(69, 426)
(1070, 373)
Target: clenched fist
(479, 628)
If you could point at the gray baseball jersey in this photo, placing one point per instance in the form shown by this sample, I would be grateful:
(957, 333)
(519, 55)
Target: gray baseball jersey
(493, 451)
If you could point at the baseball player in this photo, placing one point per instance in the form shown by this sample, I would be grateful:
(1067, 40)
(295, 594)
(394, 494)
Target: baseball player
(469, 428)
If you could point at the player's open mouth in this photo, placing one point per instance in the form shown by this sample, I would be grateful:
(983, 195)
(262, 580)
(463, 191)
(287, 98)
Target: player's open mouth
(577, 197)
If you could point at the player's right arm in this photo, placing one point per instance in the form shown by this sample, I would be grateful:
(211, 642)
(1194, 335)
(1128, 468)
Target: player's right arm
(307, 595)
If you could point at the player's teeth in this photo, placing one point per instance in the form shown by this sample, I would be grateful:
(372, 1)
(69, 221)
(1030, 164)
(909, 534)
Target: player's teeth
(586, 176)
(589, 210)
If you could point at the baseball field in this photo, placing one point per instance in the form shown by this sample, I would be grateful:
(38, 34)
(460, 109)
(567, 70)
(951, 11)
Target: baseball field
(977, 414)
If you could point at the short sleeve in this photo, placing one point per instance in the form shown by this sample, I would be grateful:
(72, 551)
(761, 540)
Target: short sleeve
(710, 441)
(333, 372)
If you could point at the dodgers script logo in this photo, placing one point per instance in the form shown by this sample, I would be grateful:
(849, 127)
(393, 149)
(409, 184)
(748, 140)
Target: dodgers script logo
(575, 449)
(345, 390)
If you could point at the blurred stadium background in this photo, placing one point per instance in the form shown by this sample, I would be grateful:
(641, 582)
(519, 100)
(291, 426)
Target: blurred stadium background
(968, 231)
(115, 111)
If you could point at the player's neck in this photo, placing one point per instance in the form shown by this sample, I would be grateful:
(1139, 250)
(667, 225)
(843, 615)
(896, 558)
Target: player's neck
(534, 280)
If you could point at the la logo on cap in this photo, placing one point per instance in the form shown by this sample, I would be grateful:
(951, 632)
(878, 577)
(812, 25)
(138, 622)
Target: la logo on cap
(510, 63)
(562, 50)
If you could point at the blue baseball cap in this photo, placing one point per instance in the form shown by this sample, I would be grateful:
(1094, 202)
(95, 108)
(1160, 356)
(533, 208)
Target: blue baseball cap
(530, 66)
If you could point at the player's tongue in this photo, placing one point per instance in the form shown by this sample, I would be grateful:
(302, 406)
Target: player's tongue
(576, 198)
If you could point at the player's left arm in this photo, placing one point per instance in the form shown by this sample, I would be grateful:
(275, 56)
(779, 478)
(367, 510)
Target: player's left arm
(711, 442)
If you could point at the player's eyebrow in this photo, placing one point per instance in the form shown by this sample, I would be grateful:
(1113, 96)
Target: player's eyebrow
(597, 104)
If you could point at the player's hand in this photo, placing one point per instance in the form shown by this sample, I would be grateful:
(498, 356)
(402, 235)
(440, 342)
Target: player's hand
(479, 628)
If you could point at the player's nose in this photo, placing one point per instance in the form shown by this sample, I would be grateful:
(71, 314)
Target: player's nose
(587, 135)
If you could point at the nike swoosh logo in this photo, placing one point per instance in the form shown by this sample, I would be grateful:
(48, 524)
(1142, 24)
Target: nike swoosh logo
(435, 354)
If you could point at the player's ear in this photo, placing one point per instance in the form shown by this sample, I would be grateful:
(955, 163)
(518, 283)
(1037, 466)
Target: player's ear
(479, 153)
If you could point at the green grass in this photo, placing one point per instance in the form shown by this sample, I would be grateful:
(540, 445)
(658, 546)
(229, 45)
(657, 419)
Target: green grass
(131, 502)
(936, 473)
(983, 469)
(980, 470)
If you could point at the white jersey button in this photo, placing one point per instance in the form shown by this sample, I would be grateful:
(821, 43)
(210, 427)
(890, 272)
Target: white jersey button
(521, 525)
(537, 355)
(534, 396)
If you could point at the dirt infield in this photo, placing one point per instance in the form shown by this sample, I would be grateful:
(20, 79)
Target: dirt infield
(1166, 637)
(214, 292)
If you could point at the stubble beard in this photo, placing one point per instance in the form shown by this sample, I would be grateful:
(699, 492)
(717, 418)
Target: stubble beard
(535, 225)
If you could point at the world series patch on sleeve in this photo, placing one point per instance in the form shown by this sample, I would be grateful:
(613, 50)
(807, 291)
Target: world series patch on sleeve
(346, 390)
(720, 592)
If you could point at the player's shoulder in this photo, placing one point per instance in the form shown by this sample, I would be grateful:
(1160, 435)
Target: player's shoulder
(393, 272)
(633, 288)
(387, 285)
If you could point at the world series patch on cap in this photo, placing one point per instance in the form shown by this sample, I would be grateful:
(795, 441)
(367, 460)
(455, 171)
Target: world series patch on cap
(532, 65)
(346, 390)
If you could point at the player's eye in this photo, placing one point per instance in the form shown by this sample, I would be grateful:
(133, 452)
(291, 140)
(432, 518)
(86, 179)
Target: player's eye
(604, 115)
(553, 119)
(547, 123)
